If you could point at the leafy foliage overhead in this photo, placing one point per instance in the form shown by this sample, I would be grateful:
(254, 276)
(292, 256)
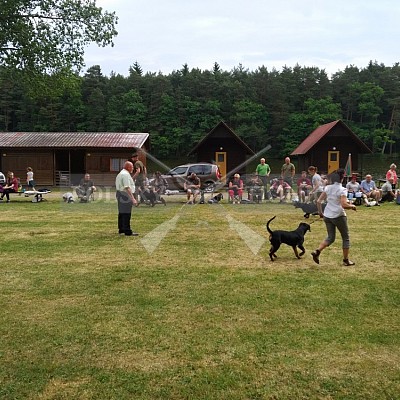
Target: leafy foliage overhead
(49, 36)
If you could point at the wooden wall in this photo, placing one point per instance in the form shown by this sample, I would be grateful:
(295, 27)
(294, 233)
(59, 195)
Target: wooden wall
(96, 162)
(17, 162)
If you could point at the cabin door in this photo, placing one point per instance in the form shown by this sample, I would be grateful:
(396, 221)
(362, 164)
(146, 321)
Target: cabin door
(220, 157)
(333, 161)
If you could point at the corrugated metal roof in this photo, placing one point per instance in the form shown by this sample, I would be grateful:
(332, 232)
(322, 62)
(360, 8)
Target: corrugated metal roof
(311, 140)
(72, 139)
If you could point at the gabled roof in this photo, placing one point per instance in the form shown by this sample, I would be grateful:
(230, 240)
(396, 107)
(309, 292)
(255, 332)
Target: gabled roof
(311, 140)
(233, 134)
(72, 139)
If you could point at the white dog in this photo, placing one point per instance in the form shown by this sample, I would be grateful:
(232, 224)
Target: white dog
(68, 197)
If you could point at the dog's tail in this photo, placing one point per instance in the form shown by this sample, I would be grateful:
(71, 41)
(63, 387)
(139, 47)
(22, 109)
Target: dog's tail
(269, 230)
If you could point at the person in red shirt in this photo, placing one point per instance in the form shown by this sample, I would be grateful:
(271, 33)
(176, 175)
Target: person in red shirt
(283, 189)
(392, 174)
(303, 186)
(10, 187)
(235, 189)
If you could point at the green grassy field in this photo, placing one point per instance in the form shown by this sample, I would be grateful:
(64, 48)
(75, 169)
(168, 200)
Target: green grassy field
(193, 308)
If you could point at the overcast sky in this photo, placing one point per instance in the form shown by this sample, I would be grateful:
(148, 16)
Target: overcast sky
(162, 35)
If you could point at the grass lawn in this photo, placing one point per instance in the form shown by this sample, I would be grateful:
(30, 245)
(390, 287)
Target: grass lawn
(193, 308)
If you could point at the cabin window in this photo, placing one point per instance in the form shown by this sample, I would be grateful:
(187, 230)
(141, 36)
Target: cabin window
(116, 164)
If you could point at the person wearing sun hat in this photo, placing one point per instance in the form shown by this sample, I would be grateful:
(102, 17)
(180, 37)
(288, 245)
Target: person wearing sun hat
(235, 189)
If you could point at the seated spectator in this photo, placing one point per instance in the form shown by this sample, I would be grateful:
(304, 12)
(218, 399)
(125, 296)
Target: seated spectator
(11, 186)
(256, 188)
(283, 189)
(159, 185)
(354, 190)
(147, 193)
(235, 189)
(85, 188)
(192, 187)
(388, 194)
(370, 190)
(304, 186)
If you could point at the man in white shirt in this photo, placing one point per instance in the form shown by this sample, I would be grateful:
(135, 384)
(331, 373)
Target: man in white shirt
(125, 198)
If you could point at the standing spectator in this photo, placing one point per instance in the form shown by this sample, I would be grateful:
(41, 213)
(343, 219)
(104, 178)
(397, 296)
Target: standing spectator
(85, 189)
(370, 190)
(29, 179)
(125, 189)
(11, 186)
(335, 216)
(192, 187)
(140, 174)
(388, 193)
(304, 186)
(392, 174)
(287, 171)
(263, 170)
(316, 182)
(235, 189)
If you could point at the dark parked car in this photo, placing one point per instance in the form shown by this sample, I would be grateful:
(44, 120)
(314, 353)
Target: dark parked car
(209, 174)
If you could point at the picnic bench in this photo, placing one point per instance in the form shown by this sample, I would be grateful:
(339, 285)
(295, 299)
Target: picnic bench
(37, 194)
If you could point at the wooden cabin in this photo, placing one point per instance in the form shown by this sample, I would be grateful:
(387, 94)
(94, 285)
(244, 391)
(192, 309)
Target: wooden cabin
(62, 158)
(223, 147)
(328, 148)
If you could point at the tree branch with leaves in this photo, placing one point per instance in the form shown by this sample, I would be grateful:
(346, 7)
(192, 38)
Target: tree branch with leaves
(48, 36)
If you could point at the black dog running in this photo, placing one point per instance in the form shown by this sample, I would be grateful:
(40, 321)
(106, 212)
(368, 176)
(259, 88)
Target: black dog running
(291, 238)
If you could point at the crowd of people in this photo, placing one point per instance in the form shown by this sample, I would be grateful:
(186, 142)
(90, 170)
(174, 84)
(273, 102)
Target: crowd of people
(367, 192)
(134, 187)
(310, 185)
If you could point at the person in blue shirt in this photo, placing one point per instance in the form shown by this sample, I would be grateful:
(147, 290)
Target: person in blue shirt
(370, 190)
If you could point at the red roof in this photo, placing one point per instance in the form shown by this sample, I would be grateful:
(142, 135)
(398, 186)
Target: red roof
(72, 139)
(311, 140)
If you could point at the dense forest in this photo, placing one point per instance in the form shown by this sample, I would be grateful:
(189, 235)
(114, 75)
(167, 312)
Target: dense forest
(263, 107)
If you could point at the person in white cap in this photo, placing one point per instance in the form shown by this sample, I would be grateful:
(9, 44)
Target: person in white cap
(235, 189)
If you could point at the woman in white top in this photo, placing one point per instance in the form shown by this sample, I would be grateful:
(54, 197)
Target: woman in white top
(335, 216)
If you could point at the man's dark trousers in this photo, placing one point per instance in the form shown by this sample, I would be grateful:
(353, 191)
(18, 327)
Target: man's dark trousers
(124, 212)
